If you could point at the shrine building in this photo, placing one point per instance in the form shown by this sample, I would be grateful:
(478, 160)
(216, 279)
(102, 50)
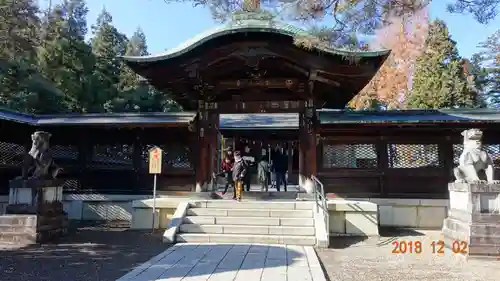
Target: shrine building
(246, 82)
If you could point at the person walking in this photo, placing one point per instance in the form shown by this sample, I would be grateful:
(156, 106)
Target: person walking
(280, 165)
(239, 173)
(227, 167)
(263, 170)
(250, 162)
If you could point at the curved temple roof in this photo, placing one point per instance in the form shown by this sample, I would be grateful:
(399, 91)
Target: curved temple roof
(248, 22)
(262, 121)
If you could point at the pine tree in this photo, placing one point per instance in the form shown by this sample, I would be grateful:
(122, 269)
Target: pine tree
(107, 45)
(439, 81)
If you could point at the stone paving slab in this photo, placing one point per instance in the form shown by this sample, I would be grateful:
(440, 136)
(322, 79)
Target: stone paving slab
(230, 262)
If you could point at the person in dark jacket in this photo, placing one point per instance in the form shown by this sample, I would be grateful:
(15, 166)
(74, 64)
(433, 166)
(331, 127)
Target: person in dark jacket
(227, 167)
(280, 165)
(239, 173)
(250, 161)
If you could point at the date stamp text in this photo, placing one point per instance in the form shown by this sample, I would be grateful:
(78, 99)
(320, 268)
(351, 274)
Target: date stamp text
(400, 247)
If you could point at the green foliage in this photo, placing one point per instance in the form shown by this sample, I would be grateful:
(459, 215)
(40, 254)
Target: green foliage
(487, 69)
(47, 67)
(345, 18)
(19, 26)
(439, 80)
(482, 10)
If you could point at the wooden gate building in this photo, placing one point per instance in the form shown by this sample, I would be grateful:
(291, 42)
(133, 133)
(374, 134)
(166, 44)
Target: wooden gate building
(252, 66)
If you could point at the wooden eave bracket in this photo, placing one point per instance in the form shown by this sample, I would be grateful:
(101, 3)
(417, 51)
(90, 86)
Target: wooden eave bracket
(315, 76)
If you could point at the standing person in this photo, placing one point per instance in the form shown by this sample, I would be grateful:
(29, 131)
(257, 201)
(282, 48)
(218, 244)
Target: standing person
(263, 170)
(280, 167)
(250, 162)
(239, 173)
(227, 167)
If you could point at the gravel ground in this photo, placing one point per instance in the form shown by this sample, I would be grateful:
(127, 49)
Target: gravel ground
(102, 252)
(372, 259)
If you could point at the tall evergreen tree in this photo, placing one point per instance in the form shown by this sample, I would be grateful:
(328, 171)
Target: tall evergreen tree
(439, 80)
(19, 29)
(488, 60)
(19, 40)
(136, 95)
(66, 59)
(108, 44)
(136, 46)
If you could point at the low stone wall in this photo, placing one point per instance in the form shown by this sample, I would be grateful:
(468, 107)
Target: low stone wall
(100, 207)
(142, 215)
(93, 206)
(354, 218)
(411, 213)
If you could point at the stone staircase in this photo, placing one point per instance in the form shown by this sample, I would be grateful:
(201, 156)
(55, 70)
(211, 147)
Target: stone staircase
(228, 221)
(478, 239)
(19, 230)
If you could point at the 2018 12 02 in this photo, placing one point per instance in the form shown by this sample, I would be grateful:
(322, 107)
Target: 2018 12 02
(436, 247)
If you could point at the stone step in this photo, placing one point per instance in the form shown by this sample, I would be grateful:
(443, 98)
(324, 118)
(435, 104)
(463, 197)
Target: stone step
(484, 240)
(265, 221)
(245, 238)
(16, 228)
(247, 229)
(485, 229)
(271, 205)
(475, 229)
(484, 250)
(260, 195)
(18, 238)
(250, 213)
(28, 220)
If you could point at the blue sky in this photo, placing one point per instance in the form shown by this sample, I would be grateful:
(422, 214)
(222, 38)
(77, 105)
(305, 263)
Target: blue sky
(167, 25)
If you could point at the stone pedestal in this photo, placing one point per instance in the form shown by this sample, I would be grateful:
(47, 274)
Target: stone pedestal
(472, 227)
(27, 223)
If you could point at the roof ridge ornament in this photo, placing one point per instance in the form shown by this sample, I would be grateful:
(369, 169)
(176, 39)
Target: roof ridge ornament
(260, 15)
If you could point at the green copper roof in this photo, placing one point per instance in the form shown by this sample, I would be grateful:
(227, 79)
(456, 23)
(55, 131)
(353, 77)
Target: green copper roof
(248, 22)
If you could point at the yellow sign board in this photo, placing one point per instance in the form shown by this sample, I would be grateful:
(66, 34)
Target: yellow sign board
(155, 162)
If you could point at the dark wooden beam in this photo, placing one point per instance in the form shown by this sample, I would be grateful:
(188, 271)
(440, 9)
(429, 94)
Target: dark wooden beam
(256, 107)
(269, 83)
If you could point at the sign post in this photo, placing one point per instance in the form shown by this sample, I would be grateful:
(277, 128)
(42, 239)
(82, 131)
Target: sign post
(155, 162)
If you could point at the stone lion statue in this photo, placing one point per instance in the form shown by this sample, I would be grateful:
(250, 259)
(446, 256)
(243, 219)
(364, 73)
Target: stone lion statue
(475, 164)
(38, 163)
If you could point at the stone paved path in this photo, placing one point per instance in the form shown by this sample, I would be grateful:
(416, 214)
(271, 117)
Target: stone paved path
(230, 262)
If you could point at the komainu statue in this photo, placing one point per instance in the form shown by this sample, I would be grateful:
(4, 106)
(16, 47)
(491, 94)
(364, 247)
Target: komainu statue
(38, 163)
(475, 164)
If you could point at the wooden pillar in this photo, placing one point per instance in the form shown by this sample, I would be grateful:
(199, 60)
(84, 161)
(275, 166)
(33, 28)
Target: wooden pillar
(207, 129)
(201, 127)
(307, 134)
(84, 156)
(213, 143)
(290, 160)
(302, 150)
(382, 163)
(137, 158)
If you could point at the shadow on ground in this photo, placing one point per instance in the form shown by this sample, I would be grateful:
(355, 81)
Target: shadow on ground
(387, 236)
(225, 262)
(91, 251)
